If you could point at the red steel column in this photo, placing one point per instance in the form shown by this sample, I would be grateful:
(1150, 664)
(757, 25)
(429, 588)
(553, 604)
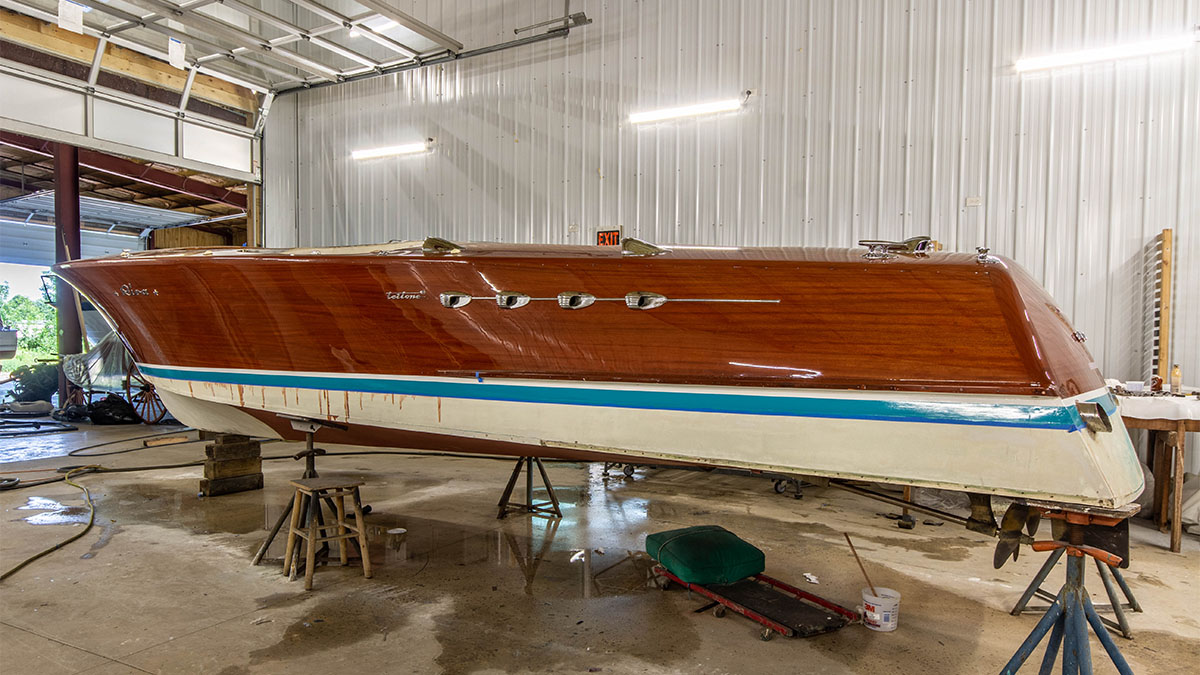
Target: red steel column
(66, 247)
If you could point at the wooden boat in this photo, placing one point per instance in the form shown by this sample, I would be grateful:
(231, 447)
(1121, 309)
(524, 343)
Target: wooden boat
(948, 370)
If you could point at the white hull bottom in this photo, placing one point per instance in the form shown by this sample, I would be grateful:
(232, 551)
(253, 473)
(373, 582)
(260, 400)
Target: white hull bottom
(1013, 446)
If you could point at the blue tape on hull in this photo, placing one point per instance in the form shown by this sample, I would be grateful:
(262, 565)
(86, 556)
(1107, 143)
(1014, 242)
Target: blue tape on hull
(1028, 416)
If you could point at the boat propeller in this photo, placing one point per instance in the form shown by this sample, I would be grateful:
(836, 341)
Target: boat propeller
(1017, 517)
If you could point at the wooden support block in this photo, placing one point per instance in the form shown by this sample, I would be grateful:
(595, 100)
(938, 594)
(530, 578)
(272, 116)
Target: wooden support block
(231, 468)
(220, 437)
(233, 464)
(229, 451)
(229, 439)
(224, 486)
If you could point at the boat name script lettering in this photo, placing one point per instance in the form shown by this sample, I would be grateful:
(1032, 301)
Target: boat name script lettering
(127, 289)
(405, 295)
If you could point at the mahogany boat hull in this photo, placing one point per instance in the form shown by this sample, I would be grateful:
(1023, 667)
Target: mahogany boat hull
(946, 371)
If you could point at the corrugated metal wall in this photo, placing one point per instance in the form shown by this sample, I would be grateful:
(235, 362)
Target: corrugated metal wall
(33, 244)
(866, 119)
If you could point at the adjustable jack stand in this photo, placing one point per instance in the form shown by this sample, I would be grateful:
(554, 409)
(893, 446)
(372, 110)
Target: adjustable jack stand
(310, 427)
(1067, 619)
(1117, 607)
(549, 508)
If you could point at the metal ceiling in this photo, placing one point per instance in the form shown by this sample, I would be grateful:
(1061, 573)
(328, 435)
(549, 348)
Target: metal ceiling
(266, 45)
(26, 169)
(118, 217)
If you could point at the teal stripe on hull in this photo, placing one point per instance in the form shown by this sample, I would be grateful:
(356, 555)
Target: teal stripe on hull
(1025, 416)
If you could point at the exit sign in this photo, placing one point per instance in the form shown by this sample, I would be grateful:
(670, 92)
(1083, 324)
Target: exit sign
(608, 238)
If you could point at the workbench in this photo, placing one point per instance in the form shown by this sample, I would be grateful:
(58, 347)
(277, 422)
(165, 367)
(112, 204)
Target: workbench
(1162, 415)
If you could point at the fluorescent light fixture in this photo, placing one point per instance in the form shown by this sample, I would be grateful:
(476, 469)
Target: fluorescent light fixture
(391, 150)
(709, 108)
(1126, 51)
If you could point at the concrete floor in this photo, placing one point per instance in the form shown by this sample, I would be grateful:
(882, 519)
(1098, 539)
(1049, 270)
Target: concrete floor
(163, 583)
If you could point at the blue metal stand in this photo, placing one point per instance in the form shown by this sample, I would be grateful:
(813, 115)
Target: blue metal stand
(1107, 574)
(1066, 621)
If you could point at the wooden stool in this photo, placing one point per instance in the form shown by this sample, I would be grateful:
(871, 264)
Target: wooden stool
(317, 489)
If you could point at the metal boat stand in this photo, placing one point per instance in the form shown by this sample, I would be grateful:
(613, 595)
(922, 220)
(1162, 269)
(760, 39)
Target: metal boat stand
(549, 508)
(1067, 619)
(310, 427)
(1107, 574)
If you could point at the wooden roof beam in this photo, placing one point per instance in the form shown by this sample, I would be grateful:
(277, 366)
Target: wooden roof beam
(48, 38)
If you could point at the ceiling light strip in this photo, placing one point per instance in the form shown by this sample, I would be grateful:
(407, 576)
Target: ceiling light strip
(1116, 52)
(391, 151)
(708, 108)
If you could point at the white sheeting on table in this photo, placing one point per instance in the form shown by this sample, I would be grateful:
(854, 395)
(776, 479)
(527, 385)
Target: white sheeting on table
(1161, 407)
(1167, 408)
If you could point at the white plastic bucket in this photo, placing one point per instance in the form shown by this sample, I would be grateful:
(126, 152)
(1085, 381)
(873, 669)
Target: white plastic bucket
(881, 612)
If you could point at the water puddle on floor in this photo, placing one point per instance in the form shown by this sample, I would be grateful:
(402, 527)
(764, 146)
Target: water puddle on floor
(50, 441)
(175, 503)
(558, 599)
(531, 555)
(56, 513)
(53, 513)
(527, 555)
(39, 446)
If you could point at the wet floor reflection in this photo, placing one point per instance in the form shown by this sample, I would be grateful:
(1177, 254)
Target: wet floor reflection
(523, 548)
(585, 554)
(52, 512)
(177, 504)
(601, 503)
(524, 554)
(58, 444)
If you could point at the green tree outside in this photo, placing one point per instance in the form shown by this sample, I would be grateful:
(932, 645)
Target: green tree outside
(36, 324)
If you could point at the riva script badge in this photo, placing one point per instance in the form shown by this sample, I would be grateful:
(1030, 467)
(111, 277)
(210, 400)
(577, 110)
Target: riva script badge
(405, 295)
